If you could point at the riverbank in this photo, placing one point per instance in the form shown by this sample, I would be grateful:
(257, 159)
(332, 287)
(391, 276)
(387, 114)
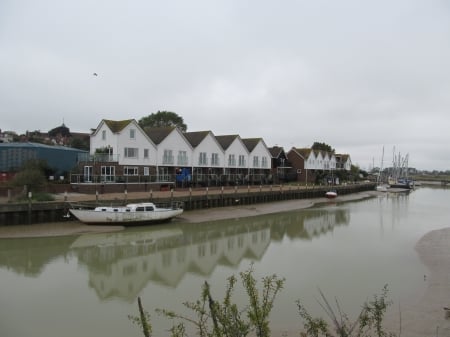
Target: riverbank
(201, 215)
(425, 316)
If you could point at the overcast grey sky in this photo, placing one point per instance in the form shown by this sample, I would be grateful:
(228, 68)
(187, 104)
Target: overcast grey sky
(357, 75)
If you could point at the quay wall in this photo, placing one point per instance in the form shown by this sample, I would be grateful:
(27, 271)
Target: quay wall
(57, 211)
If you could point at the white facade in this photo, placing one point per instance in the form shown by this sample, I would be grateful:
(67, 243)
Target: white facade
(260, 157)
(174, 150)
(236, 155)
(208, 153)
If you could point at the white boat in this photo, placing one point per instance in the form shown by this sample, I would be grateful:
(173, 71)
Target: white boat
(129, 215)
(331, 194)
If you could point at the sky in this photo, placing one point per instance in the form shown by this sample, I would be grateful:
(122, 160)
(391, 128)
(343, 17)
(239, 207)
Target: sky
(358, 75)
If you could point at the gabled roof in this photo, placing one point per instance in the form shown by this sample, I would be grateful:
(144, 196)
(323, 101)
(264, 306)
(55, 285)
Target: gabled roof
(117, 126)
(276, 151)
(342, 157)
(304, 152)
(250, 143)
(157, 135)
(226, 140)
(195, 138)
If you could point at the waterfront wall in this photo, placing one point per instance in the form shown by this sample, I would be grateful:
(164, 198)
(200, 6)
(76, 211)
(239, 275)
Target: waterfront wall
(39, 212)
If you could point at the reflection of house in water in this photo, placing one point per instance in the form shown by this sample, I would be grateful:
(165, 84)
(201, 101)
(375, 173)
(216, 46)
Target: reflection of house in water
(121, 264)
(29, 256)
(325, 221)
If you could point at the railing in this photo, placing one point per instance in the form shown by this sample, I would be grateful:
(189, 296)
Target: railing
(200, 179)
(98, 157)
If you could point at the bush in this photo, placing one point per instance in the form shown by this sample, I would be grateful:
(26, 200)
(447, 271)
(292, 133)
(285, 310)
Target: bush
(224, 319)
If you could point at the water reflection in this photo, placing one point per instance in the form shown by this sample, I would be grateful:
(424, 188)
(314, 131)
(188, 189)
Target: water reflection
(29, 256)
(121, 264)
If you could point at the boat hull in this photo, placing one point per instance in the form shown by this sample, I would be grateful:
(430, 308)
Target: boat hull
(94, 217)
(331, 195)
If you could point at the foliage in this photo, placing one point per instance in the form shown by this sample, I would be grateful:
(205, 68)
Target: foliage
(163, 119)
(143, 320)
(219, 319)
(368, 323)
(322, 147)
(213, 318)
(78, 143)
(33, 175)
(38, 196)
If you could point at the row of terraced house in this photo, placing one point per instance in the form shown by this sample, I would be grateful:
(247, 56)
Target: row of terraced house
(123, 152)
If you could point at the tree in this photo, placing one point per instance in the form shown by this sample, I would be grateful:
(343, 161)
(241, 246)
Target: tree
(78, 143)
(33, 175)
(163, 119)
(322, 147)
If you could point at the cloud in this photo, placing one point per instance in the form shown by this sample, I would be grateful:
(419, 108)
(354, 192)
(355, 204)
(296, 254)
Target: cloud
(353, 74)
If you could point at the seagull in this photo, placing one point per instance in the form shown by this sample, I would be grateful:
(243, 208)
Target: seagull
(95, 74)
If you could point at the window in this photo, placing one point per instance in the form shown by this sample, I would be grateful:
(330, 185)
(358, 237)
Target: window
(131, 152)
(231, 160)
(215, 159)
(241, 160)
(202, 160)
(255, 161)
(146, 171)
(168, 157)
(130, 171)
(107, 173)
(132, 133)
(182, 158)
(264, 162)
(104, 135)
(145, 153)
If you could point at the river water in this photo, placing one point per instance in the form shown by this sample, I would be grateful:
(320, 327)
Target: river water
(87, 285)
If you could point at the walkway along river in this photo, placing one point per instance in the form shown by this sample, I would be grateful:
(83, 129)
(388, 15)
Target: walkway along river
(39, 212)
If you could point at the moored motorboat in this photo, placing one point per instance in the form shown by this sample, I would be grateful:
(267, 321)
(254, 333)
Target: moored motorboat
(129, 215)
(331, 194)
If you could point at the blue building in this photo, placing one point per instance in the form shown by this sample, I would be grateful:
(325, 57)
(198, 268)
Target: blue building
(59, 158)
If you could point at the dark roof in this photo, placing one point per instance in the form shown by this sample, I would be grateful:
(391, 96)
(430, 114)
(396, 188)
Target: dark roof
(304, 152)
(31, 145)
(157, 135)
(226, 140)
(117, 126)
(251, 143)
(195, 138)
(276, 151)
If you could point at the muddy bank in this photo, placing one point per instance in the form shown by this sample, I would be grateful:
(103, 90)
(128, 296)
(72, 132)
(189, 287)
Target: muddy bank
(210, 214)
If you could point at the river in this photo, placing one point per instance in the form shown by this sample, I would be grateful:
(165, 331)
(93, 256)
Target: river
(87, 285)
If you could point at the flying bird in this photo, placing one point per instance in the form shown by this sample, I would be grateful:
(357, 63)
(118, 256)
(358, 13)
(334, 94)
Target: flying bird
(95, 74)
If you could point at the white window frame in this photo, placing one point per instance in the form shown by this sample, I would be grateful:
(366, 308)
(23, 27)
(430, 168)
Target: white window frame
(182, 158)
(130, 171)
(215, 159)
(168, 157)
(107, 173)
(255, 161)
(202, 159)
(231, 160)
(131, 152)
(241, 160)
(132, 133)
